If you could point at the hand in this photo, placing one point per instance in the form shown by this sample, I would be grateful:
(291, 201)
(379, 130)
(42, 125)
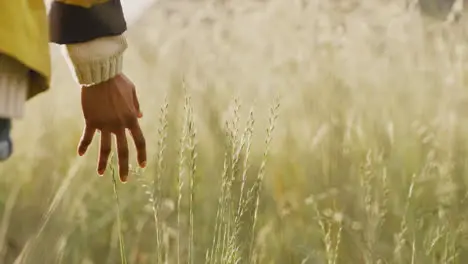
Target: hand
(112, 107)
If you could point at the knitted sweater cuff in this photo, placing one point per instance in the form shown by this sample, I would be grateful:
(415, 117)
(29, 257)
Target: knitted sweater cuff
(13, 87)
(98, 60)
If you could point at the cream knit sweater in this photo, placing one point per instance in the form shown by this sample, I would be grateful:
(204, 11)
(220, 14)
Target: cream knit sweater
(92, 62)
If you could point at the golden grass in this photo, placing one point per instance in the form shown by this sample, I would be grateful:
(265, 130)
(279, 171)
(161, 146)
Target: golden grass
(361, 159)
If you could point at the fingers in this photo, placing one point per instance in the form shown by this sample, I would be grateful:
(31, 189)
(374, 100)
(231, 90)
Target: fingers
(104, 151)
(86, 140)
(140, 144)
(122, 153)
(136, 103)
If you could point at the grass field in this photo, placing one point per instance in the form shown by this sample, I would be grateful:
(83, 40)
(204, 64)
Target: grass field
(278, 131)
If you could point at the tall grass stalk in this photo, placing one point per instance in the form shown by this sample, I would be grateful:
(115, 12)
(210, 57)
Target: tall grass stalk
(235, 147)
(181, 178)
(192, 168)
(248, 133)
(123, 254)
(220, 214)
(256, 189)
(156, 203)
(401, 240)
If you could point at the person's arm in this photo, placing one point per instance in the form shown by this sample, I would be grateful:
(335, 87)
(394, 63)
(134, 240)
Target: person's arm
(91, 32)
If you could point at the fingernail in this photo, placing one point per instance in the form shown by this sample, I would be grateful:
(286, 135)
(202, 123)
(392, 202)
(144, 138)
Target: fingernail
(143, 164)
(101, 172)
(140, 115)
(123, 179)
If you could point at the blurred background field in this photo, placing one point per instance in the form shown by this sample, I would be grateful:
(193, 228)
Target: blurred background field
(361, 109)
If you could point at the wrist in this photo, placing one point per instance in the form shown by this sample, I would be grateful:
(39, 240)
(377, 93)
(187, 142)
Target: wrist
(98, 60)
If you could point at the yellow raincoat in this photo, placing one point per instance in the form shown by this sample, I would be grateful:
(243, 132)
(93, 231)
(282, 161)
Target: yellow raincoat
(24, 35)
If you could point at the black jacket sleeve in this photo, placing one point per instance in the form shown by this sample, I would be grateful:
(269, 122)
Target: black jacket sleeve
(69, 24)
